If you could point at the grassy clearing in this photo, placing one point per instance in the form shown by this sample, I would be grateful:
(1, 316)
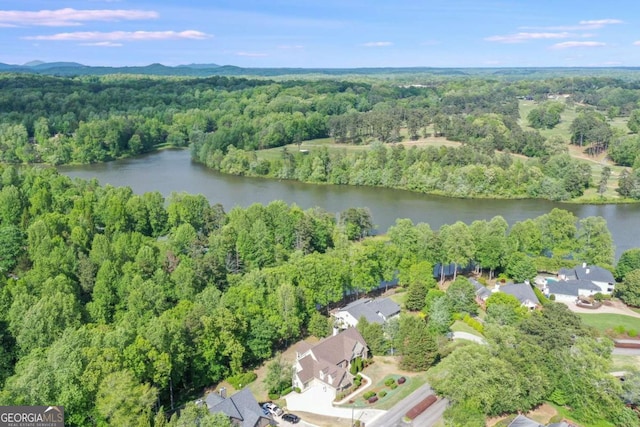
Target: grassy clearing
(608, 321)
(460, 326)
(623, 363)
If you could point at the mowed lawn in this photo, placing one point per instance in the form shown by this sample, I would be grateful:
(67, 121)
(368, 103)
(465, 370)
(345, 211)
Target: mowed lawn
(608, 321)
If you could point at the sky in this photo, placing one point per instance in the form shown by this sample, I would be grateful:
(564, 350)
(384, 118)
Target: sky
(323, 33)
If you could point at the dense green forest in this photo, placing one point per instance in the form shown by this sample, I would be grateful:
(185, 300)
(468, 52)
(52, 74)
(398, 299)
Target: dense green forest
(230, 123)
(122, 306)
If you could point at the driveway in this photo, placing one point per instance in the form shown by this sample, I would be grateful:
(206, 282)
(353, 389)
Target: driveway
(615, 307)
(457, 335)
(318, 399)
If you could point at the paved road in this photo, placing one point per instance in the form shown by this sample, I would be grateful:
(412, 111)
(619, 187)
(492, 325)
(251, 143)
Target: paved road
(467, 336)
(393, 417)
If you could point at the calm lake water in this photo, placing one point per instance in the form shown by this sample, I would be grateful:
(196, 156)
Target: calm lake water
(172, 170)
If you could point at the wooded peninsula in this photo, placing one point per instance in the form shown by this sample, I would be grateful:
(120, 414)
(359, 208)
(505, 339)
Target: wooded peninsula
(559, 138)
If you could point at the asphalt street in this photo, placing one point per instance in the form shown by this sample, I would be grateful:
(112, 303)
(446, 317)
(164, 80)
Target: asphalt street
(393, 417)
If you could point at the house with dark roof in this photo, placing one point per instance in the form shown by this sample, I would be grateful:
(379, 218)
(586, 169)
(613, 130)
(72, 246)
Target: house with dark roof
(585, 280)
(328, 362)
(568, 291)
(524, 293)
(599, 276)
(377, 310)
(242, 408)
(482, 292)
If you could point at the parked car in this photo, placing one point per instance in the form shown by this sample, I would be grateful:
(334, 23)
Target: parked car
(292, 418)
(272, 408)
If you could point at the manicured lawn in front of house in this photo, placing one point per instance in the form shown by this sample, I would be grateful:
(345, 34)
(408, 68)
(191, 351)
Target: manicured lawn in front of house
(608, 321)
(385, 367)
(393, 396)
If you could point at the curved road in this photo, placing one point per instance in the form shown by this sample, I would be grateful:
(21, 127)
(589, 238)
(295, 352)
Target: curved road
(393, 417)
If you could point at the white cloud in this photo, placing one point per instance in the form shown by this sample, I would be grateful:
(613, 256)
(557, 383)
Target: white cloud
(251, 54)
(523, 37)
(377, 44)
(69, 17)
(122, 36)
(287, 46)
(102, 44)
(593, 24)
(601, 22)
(571, 44)
(636, 43)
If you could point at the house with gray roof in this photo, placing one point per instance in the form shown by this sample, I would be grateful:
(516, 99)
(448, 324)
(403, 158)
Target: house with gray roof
(482, 292)
(568, 291)
(328, 362)
(242, 408)
(522, 421)
(524, 293)
(599, 276)
(377, 310)
(585, 280)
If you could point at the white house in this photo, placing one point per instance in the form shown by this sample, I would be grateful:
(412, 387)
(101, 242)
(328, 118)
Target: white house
(599, 276)
(583, 281)
(374, 310)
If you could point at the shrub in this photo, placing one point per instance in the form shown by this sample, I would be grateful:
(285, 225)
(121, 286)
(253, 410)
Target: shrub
(598, 296)
(274, 396)
(557, 418)
(393, 386)
(389, 381)
(475, 324)
(619, 329)
(357, 381)
(632, 333)
(402, 380)
(552, 297)
(372, 399)
(241, 380)
(297, 389)
(382, 394)
(368, 395)
(287, 391)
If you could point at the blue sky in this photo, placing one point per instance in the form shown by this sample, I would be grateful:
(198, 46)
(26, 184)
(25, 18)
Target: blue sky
(324, 33)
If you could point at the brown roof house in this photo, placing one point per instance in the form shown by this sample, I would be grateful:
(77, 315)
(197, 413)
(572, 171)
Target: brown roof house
(328, 362)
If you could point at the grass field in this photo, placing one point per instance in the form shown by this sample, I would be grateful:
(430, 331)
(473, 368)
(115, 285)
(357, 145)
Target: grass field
(622, 363)
(597, 163)
(607, 321)
(562, 130)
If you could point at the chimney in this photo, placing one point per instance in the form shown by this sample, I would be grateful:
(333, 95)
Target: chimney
(336, 331)
(223, 392)
(587, 271)
(584, 265)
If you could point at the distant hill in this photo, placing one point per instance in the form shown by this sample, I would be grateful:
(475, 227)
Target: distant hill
(206, 70)
(198, 66)
(33, 63)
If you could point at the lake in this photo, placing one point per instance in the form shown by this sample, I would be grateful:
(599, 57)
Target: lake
(167, 171)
